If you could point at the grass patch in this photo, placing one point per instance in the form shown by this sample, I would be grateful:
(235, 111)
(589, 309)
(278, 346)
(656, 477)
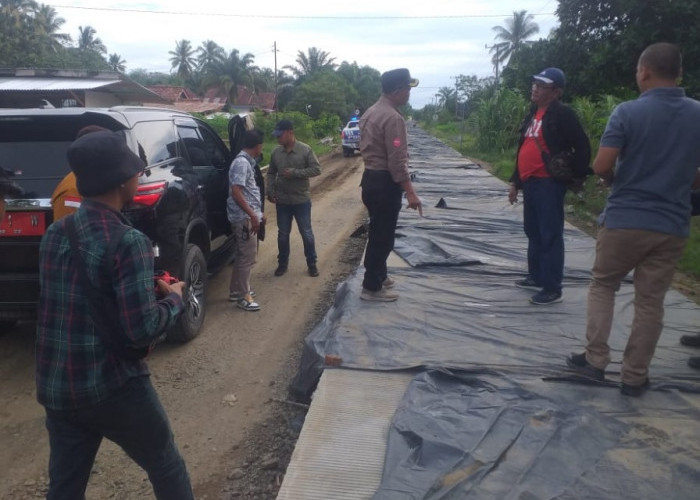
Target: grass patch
(690, 262)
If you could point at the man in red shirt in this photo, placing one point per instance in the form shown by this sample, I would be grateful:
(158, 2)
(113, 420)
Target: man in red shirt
(549, 129)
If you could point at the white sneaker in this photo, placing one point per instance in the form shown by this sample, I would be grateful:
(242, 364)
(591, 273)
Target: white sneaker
(388, 282)
(234, 297)
(382, 295)
(248, 304)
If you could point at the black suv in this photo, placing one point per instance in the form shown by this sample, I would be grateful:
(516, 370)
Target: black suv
(180, 203)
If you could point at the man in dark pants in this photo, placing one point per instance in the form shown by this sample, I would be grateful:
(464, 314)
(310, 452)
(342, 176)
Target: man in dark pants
(549, 129)
(89, 388)
(291, 165)
(384, 149)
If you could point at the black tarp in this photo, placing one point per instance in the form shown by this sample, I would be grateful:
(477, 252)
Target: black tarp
(493, 413)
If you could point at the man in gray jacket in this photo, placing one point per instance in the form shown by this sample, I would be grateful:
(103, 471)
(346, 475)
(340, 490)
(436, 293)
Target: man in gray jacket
(291, 165)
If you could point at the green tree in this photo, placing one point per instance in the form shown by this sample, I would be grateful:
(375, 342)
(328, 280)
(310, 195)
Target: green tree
(447, 98)
(20, 45)
(233, 71)
(18, 11)
(285, 88)
(145, 77)
(48, 25)
(209, 54)
(308, 64)
(88, 42)
(598, 42)
(183, 59)
(117, 63)
(512, 37)
(365, 80)
(324, 92)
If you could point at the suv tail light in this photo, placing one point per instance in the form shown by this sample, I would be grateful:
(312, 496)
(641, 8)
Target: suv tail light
(149, 193)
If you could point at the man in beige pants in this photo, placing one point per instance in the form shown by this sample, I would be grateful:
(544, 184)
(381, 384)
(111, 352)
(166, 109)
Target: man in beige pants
(244, 211)
(650, 152)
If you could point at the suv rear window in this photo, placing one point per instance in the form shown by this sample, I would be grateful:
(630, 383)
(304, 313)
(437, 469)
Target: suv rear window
(34, 148)
(38, 166)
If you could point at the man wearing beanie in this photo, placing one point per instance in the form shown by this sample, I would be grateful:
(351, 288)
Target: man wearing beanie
(384, 149)
(94, 262)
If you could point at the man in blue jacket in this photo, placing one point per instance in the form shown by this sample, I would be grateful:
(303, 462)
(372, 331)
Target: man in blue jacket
(549, 129)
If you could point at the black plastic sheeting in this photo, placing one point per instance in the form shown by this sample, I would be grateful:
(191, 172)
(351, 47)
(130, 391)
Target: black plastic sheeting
(493, 412)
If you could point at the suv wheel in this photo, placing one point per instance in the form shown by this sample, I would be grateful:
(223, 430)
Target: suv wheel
(348, 152)
(195, 277)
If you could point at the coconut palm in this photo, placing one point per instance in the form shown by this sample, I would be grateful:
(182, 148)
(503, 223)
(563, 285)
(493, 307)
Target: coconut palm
(513, 36)
(117, 63)
(235, 70)
(209, 54)
(183, 58)
(17, 11)
(316, 60)
(48, 24)
(447, 97)
(88, 42)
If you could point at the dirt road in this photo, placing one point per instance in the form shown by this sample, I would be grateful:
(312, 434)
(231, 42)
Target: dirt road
(222, 391)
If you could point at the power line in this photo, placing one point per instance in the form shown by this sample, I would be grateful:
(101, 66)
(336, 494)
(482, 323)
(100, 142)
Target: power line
(280, 16)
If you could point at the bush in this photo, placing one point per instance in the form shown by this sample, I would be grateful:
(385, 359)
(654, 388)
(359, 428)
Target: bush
(497, 120)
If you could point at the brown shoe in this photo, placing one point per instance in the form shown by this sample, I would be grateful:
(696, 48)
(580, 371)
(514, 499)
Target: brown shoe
(388, 282)
(382, 295)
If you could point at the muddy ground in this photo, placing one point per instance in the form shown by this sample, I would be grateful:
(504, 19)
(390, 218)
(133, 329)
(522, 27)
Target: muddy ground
(226, 391)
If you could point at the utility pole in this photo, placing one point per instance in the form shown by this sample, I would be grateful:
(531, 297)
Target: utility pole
(498, 54)
(274, 49)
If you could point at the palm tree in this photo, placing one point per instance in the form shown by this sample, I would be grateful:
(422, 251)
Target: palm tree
(48, 24)
(447, 97)
(513, 36)
(88, 42)
(208, 55)
(316, 60)
(235, 70)
(18, 10)
(263, 79)
(117, 63)
(183, 58)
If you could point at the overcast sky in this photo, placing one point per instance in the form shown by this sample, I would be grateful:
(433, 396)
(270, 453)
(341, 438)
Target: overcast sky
(436, 39)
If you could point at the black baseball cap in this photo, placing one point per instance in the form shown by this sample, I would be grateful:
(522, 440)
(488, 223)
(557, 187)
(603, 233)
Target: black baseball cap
(555, 76)
(281, 127)
(396, 79)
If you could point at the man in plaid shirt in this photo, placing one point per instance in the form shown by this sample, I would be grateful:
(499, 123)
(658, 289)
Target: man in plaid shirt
(88, 390)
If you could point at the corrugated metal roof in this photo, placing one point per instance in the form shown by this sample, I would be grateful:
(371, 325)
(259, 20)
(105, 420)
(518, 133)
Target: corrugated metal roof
(48, 84)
